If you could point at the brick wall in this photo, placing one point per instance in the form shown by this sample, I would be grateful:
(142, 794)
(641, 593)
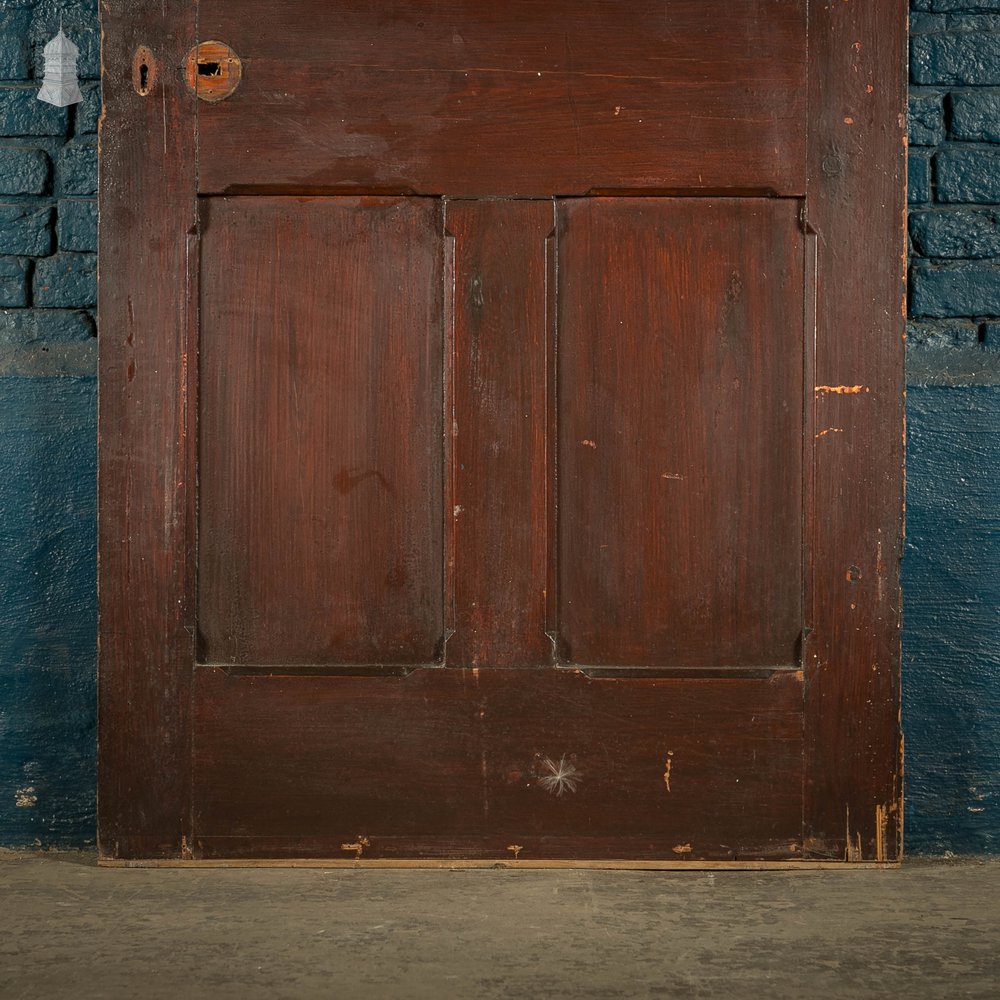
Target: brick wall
(954, 328)
(48, 239)
(48, 186)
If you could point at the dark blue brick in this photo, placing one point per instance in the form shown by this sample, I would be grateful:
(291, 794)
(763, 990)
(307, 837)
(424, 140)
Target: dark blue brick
(77, 225)
(76, 168)
(66, 281)
(23, 171)
(88, 111)
(967, 289)
(968, 174)
(919, 177)
(26, 229)
(949, 6)
(926, 120)
(13, 282)
(22, 327)
(945, 334)
(956, 233)
(971, 58)
(21, 113)
(975, 115)
(15, 51)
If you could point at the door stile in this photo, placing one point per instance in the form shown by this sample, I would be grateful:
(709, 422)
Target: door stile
(856, 204)
(148, 141)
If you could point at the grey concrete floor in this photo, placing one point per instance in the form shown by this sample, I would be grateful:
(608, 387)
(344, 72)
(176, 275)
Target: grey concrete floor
(69, 929)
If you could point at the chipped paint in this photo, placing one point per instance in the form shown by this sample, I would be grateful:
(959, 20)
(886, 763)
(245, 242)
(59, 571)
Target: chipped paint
(588, 443)
(25, 798)
(830, 430)
(357, 846)
(841, 390)
(682, 849)
(666, 769)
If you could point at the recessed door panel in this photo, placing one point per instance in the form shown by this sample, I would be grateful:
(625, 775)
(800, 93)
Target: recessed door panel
(319, 518)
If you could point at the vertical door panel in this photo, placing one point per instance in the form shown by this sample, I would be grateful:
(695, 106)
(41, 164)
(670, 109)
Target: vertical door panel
(500, 463)
(680, 422)
(320, 538)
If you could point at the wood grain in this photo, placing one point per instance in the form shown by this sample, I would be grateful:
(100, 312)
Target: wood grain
(452, 763)
(500, 463)
(461, 98)
(856, 206)
(320, 520)
(680, 416)
(147, 307)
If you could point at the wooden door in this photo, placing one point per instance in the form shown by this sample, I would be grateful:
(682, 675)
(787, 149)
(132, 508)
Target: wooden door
(501, 432)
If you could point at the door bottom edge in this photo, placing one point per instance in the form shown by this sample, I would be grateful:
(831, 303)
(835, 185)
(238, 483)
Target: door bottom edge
(451, 864)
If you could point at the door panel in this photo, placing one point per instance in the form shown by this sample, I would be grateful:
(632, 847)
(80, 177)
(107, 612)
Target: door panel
(462, 763)
(680, 432)
(320, 522)
(459, 97)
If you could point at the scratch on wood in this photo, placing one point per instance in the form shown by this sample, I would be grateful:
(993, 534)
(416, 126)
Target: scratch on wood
(515, 849)
(852, 851)
(682, 849)
(186, 853)
(357, 846)
(830, 430)
(842, 390)
(881, 831)
(666, 769)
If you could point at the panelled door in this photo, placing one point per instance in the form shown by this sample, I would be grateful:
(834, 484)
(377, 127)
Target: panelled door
(501, 414)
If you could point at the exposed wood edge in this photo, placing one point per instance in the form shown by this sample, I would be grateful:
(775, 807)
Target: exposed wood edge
(496, 863)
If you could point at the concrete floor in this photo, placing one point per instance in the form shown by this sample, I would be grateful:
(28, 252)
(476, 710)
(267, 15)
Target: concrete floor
(69, 929)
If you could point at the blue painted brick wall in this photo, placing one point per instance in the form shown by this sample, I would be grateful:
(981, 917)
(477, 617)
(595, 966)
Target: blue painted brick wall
(48, 243)
(48, 164)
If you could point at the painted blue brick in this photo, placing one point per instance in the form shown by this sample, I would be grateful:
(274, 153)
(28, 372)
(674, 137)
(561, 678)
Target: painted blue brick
(951, 641)
(13, 281)
(76, 167)
(975, 115)
(948, 6)
(25, 229)
(935, 335)
(971, 58)
(77, 224)
(88, 111)
(47, 610)
(15, 50)
(968, 174)
(66, 281)
(919, 177)
(964, 289)
(15, 56)
(956, 233)
(21, 113)
(23, 171)
(23, 327)
(926, 119)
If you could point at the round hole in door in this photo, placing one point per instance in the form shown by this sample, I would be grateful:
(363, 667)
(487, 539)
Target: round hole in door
(213, 71)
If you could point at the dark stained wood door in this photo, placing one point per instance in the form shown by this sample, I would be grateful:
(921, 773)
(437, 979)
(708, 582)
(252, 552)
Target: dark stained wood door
(501, 432)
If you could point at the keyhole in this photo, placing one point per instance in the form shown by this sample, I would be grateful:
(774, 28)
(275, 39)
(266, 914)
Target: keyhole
(209, 69)
(143, 71)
